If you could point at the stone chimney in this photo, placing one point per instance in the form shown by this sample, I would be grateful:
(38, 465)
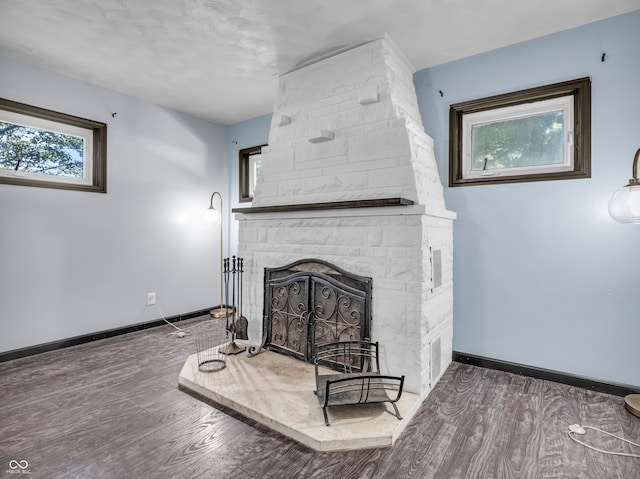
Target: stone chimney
(347, 128)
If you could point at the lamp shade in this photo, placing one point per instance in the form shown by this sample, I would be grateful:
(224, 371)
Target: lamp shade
(624, 205)
(211, 216)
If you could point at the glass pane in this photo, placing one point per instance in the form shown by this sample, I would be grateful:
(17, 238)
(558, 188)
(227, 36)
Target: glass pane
(528, 141)
(32, 150)
(254, 170)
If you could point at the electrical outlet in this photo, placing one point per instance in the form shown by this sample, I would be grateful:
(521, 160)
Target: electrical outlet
(151, 299)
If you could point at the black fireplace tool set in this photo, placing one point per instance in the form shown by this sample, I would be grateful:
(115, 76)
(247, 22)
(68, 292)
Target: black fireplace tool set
(233, 270)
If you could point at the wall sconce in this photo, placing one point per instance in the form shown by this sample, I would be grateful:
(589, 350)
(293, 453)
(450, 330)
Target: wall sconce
(212, 216)
(624, 205)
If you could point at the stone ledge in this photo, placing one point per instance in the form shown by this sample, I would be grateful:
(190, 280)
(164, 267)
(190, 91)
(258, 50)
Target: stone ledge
(408, 210)
(329, 205)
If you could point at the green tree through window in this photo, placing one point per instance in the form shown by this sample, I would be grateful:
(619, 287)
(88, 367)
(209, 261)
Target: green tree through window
(529, 141)
(32, 150)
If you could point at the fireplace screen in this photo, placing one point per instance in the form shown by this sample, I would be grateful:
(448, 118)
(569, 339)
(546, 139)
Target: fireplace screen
(314, 302)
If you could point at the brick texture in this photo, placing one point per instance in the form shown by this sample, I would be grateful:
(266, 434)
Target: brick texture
(379, 150)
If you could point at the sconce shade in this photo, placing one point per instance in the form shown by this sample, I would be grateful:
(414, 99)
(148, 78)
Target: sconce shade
(624, 205)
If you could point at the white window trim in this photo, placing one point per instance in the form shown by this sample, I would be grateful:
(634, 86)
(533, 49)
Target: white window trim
(253, 170)
(56, 127)
(564, 104)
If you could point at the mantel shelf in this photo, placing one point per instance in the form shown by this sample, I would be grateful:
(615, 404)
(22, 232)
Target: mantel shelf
(329, 205)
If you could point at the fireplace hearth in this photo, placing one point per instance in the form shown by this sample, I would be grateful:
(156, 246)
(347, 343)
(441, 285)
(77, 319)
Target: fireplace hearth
(312, 301)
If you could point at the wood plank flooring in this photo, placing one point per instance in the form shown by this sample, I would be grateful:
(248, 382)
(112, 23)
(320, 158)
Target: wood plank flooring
(112, 409)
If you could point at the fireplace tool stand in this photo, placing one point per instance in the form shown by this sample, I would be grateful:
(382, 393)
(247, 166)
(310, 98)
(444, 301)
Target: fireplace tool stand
(232, 271)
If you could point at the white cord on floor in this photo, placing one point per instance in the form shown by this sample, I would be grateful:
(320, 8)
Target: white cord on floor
(181, 333)
(576, 429)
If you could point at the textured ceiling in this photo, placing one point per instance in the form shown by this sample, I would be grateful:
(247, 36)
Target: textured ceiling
(219, 59)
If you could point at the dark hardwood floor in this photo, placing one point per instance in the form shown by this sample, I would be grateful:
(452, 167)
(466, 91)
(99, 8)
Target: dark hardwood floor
(112, 409)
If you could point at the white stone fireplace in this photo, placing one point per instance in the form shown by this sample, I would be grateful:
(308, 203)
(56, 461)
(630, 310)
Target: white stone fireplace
(345, 129)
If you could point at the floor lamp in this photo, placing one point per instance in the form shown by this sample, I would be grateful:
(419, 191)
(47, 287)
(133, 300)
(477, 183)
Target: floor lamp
(624, 207)
(214, 217)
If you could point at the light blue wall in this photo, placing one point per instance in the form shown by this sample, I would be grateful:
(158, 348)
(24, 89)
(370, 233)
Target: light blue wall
(74, 263)
(241, 135)
(542, 275)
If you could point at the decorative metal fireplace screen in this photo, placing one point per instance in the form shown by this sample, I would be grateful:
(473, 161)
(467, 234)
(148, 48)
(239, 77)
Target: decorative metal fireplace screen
(314, 302)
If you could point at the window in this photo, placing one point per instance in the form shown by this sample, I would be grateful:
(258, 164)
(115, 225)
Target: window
(49, 149)
(538, 134)
(250, 160)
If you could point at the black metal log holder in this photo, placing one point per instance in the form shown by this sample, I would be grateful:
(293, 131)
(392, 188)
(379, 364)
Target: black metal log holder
(232, 270)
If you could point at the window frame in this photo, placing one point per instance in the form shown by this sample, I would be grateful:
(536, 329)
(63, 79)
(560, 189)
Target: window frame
(95, 155)
(246, 169)
(579, 90)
